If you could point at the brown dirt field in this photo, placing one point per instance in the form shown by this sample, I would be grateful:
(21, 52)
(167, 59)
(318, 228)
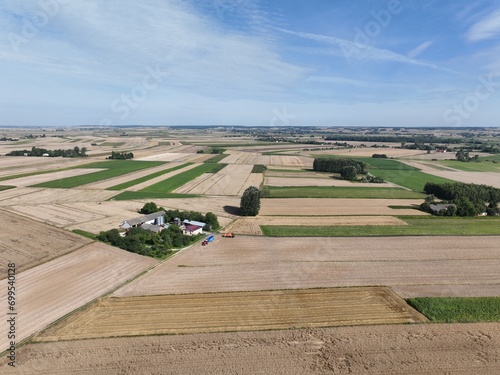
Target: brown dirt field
(228, 312)
(301, 181)
(376, 350)
(49, 291)
(263, 263)
(29, 243)
(239, 157)
(251, 225)
(38, 179)
(336, 206)
(227, 181)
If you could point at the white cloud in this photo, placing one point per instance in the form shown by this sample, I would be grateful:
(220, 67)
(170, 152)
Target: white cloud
(419, 49)
(487, 28)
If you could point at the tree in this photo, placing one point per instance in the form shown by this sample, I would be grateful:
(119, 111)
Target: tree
(250, 202)
(149, 208)
(348, 173)
(211, 221)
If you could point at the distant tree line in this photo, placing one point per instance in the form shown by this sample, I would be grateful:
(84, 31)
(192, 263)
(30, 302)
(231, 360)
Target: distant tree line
(121, 155)
(379, 156)
(35, 151)
(392, 138)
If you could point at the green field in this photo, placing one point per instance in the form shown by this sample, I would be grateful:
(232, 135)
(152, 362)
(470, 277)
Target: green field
(163, 189)
(459, 310)
(257, 168)
(417, 226)
(112, 168)
(112, 144)
(6, 187)
(146, 178)
(215, 159)
(471, 166)
(338, 192)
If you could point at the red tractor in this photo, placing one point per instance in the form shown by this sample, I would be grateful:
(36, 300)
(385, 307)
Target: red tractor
(228, 235)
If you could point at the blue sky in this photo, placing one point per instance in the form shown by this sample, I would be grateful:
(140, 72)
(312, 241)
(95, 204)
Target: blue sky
(250, 62)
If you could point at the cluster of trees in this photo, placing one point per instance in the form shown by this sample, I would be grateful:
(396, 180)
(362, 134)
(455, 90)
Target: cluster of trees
(379, 156)
(121, 155)
(210, 219)
(148, 243)
(35, 151)
(418, 139)
(463, 155)
(336, 165)
(469, 199)
(250, 202)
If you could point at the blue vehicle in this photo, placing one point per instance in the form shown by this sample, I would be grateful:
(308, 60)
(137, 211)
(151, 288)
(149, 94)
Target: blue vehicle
(211, 239)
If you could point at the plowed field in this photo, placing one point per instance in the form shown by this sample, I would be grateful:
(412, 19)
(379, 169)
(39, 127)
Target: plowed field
(383, 349)
(49, 291)
(28, 243)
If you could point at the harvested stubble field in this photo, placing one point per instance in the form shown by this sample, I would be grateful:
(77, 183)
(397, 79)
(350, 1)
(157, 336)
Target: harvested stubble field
(304, 181)
(238, 157)
(441, 264)
(16, 165)
(28, 243)
(332, 207)
(381, 350)
(227, 312)
(35, 196)
(251, 225)
(228, 181)
(51, 290)
(40, 178)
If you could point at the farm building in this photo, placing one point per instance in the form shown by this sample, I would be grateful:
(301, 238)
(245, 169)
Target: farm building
(436, 208)
(155, 219)
(192, 222)
(191, 230)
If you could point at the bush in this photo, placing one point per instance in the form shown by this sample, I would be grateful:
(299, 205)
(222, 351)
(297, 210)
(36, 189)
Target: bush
(348, 173)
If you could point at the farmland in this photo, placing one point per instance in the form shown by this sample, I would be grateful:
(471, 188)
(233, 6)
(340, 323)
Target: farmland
(220, 312)
(323, 252)
(251, 263)
(111, 168)
(53, 289)
(416, 226)
(41, 244)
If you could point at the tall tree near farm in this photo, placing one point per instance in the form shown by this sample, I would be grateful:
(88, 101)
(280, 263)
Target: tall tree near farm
(250, 202)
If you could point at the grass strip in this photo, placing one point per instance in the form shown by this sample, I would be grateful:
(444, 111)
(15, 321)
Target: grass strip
(146, 178)
(417, 226)
(6, 187)
(215, 159)
(137, 195)
(112, 168)
(458, 310)
(338, 192)
(85, 234)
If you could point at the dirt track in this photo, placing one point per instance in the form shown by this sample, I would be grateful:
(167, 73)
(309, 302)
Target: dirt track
(442, 264)
(390, 349)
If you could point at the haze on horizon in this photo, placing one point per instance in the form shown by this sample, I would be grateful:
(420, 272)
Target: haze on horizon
(250, 62)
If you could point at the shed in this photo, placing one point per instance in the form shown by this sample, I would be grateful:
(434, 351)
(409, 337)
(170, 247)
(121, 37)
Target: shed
(156, 218)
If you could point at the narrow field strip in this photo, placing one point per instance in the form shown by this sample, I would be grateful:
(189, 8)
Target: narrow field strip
(112, 168)
(417, 226)
(354, 191)
(151, 176)
(240, 311)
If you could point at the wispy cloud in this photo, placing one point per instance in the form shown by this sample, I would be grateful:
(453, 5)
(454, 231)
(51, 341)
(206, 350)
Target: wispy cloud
(368, 52)
(487, 28)
(419, 49)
